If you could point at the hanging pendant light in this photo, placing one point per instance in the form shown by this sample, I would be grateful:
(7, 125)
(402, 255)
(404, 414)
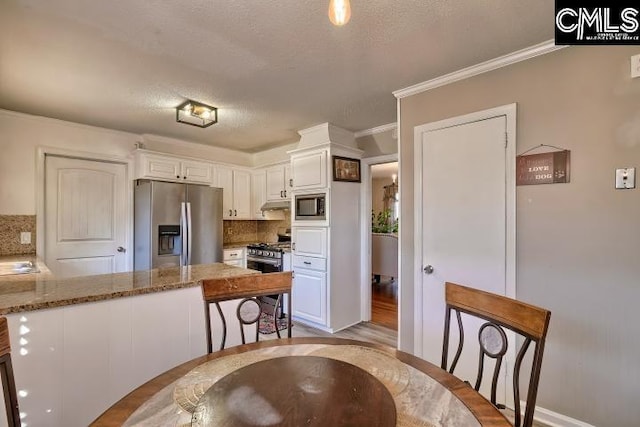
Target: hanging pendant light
(339, 12)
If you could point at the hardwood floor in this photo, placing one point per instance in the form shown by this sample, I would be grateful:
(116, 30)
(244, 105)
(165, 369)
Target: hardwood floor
(364, 331)
(384, 303)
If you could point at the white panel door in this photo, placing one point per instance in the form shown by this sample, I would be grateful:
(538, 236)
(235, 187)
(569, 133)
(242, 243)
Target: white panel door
(464, 226)
(309, 295)
(85, 217)
(241, 194)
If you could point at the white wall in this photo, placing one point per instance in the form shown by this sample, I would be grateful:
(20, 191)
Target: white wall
(22, 134)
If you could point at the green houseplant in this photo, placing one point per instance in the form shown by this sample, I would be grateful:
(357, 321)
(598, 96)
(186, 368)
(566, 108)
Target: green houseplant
(383, 223)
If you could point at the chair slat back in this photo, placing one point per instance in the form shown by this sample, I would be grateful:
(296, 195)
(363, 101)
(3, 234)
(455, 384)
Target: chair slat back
(248, 287)
(527, 320)
(518, 316)
(6, 373)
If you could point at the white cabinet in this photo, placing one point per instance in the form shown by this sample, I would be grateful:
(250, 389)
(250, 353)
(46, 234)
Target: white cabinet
(309, 295)
(258, 193)
(171, 168)
(309, 241)
(80, 359)
(309, 170)
(235, 256)
(278, 182)
(236, 192)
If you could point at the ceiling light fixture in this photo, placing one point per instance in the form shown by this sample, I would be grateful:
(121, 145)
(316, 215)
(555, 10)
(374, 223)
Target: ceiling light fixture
(196, 114)
(339, 12)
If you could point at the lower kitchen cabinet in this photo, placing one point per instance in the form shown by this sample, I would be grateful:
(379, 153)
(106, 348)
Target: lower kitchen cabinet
(309, 295)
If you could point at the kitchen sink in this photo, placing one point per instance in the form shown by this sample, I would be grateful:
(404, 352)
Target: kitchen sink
(18, 267)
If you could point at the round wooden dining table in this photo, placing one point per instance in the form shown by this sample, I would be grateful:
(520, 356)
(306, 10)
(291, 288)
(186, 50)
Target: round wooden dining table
(305, 381)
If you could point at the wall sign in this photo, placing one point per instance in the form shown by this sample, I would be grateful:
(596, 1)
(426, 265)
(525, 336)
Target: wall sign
(543, 168)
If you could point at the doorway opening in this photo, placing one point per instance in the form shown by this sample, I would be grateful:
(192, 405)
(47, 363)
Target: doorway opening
(385, 205)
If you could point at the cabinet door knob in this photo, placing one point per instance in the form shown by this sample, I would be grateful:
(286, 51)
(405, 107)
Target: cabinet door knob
(230, 212)
(281, 193)
(121, 249)
(184, 177)
(235, 212)
(285, 194)
(177, 176)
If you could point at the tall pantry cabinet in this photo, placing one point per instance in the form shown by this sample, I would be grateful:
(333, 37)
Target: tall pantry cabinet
(326, 253)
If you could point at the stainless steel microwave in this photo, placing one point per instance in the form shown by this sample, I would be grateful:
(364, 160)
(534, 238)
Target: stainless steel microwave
(310, 206)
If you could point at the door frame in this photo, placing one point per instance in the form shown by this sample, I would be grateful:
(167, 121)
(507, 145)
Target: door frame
(509, 112)
(41, 153)
(365, 233)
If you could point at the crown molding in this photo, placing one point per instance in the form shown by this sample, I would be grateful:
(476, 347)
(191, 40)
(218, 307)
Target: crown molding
(376, 130)
(484, 67)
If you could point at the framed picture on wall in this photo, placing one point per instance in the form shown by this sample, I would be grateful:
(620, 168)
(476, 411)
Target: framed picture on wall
(346, 169)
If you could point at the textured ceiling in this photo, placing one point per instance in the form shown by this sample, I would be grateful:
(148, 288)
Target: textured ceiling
(271, 66)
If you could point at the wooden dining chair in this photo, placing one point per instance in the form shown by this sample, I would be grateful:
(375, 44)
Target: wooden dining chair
(6, 372)
(528, 321)
(247, 288)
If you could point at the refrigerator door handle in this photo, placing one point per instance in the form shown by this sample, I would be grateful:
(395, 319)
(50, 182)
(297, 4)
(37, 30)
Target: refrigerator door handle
(189, 238)
(185, 232)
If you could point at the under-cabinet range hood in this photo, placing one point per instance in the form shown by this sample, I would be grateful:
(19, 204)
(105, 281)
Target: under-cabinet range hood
(280, 205)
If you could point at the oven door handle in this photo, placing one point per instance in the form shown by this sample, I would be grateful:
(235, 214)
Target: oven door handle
(264, 261)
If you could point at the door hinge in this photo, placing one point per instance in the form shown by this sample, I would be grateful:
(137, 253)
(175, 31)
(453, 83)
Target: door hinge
(506, 139)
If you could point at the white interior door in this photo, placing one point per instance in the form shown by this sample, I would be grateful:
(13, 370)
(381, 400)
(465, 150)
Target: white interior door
(85, 216)
(463, 197)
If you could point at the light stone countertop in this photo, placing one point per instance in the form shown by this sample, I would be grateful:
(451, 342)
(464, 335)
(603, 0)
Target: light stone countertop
(238, 245)
(42, 292)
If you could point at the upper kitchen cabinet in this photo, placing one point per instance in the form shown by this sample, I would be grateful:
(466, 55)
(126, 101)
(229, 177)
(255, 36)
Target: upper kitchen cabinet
(309, 170)
(164, 167)
(258, 193)
(278, 182)
(236, 192)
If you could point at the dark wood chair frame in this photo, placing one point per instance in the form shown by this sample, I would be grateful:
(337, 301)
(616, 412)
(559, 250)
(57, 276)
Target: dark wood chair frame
(248, 288)
(6, 373)
(500, 312)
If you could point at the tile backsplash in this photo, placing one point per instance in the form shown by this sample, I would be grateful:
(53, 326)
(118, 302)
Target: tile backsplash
(254, 231)
(10, 228)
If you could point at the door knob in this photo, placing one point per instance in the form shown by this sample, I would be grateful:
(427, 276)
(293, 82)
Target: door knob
(428, 269)
(121, 249)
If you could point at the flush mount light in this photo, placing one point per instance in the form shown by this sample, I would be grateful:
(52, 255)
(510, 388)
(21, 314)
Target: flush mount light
(196, 114)
(339, 12)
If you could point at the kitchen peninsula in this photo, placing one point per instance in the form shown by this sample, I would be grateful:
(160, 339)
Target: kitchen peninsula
(80, 344)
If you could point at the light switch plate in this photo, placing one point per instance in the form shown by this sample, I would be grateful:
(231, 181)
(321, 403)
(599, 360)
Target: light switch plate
(626, 178)
(635, 66)
(25, 238)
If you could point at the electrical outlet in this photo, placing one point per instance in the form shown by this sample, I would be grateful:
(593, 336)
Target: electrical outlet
(635, 66)
(25, 238)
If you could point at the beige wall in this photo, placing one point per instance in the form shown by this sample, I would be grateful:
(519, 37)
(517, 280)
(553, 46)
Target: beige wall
(379, 144)
(578, 244)
(377, 193)
(22, 134)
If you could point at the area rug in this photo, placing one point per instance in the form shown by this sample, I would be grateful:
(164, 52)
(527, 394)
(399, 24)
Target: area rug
(267, 326)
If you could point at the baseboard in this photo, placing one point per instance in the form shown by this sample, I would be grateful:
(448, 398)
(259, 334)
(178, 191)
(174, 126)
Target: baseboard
(312, 324)
(553, 419)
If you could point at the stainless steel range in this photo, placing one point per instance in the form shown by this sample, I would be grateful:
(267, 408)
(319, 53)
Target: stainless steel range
(266, 257)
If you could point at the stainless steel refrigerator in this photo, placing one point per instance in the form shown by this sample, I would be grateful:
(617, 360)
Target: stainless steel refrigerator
(176, 224)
